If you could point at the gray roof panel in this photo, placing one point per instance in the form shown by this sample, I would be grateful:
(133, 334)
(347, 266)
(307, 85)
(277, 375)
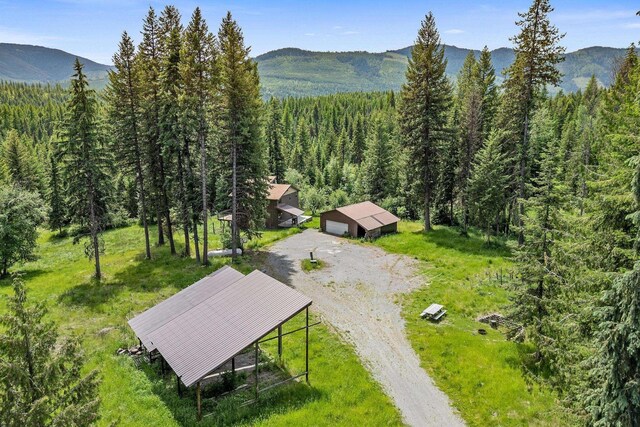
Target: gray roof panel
(177, 304)
(209, 334)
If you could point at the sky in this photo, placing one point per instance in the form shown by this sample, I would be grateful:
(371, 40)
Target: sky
(92, 28)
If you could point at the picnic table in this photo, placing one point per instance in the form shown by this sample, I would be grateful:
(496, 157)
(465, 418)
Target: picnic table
(433, 312)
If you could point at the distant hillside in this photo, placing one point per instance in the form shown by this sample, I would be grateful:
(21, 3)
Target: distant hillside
(298, 72)
(26, 63)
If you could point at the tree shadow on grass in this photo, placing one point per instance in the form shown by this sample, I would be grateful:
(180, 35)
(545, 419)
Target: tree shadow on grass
(25, 275)
(450, 238)
(231, 409)
(141, 276)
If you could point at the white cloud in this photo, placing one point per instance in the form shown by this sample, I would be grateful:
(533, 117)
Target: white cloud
(337, 27)
(631, 25)
(310, 34)
(349, 33)
(454, 31)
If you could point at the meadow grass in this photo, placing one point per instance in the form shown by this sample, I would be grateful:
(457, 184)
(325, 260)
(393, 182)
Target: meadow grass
(308, 266)
(342, 392)
(482, 374)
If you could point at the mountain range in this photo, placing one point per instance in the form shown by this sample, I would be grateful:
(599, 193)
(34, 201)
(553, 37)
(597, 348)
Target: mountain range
(37, 64)
(297, 72)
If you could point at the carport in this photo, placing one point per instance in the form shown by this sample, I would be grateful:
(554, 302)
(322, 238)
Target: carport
(364, 219)
(208, 324)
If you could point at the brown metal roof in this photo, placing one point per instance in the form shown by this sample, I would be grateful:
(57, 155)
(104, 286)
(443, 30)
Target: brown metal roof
(289, 209)
(209, 334)
(177, 304)
(369, 223)
(386, 218)
(276, 191)
(368, 215)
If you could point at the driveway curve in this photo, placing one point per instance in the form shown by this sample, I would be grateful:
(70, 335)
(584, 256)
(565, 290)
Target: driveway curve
(355, 291)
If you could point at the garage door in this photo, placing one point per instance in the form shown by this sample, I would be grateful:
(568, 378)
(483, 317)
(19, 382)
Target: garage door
(337, 228)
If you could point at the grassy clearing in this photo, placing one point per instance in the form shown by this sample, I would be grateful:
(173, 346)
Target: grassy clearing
(482, 375)
(341, 392)
(308, 266)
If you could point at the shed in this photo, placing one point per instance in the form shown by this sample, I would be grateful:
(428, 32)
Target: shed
(365, 219)
(204, 326)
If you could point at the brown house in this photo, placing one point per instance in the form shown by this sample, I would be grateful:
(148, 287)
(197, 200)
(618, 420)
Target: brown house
(283, 209)
(364, 219)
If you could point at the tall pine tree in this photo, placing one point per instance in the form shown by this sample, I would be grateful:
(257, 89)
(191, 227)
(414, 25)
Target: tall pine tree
(199, 74)
(242, 142)
(123, 95)
(537, 55)
(86, 163)
(426, 97)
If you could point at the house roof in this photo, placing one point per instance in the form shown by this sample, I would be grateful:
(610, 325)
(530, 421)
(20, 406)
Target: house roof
(289, 209)
(177, 304)
(368, 215)
(276, 191)
(209, 334)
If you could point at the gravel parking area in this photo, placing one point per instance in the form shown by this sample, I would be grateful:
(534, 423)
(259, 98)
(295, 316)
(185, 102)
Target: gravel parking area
(355, 292)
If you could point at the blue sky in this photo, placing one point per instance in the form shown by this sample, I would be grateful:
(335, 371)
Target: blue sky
(92, 28)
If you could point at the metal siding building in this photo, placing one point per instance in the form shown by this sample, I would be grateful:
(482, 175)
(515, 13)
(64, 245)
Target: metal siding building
(364, 219)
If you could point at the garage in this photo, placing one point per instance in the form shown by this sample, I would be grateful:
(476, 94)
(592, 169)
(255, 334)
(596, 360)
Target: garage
(336, 228)
(365, 220)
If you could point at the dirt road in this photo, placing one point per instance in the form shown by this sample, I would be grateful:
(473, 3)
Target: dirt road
(355, 292)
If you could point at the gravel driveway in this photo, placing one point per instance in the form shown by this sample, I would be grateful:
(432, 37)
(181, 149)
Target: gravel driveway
(355, 292)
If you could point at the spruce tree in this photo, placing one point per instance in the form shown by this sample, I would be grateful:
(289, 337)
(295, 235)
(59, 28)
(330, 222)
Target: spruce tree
(21, 163)
(199, 74)
(615, 398)
(123, 95)
(275, 136)
(378, 161)
(535, 66)
(359, 143)
(57, 212)
(149, 54)
(242, 141)
(487, 183)
(40, 375)
(489, 90)
(426, 97)
(86, 164)
(470, 112)
(539, 280)
(173, 140)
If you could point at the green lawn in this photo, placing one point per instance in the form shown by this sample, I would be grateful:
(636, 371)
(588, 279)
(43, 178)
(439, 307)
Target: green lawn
(341, 392)
(481, 374)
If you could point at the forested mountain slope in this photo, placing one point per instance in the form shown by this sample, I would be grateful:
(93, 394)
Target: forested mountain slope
(37, 64)
(296, 72)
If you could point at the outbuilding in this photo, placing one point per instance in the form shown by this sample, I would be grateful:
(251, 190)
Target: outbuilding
(365, 219)
(201, 328)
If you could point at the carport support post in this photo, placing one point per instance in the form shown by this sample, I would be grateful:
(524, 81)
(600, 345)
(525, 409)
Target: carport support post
(280, 343)
(306, 351)
(256, 371)
(199, 401)
(178, 383)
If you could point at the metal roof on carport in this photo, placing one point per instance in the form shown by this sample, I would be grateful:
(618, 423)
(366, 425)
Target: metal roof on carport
(177, 304)
(207, 335)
